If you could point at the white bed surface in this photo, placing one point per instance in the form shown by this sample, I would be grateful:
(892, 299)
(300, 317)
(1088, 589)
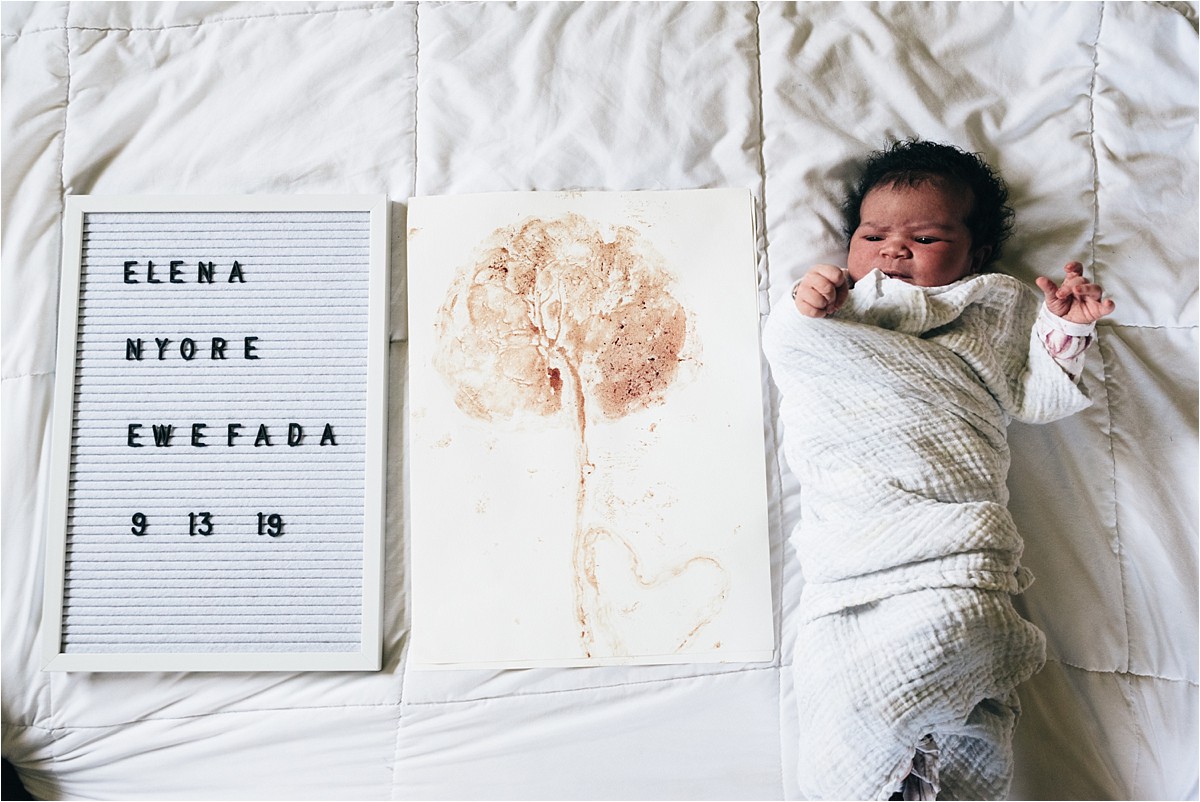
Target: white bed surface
(1089, 109)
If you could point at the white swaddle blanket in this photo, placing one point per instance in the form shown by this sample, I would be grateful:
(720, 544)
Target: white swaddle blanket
(895, 413)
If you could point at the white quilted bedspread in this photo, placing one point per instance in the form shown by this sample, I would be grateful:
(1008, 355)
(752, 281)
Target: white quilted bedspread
(1087, 108)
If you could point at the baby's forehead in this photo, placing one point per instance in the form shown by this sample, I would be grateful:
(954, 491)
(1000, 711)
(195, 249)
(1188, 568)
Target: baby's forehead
(953, 189)
(954, 192)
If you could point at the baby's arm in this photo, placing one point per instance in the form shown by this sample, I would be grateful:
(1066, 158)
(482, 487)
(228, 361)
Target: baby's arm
(1067, 321)
(822, 291)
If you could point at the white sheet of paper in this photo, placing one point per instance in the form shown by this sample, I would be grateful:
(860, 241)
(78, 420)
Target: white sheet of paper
(585, 416)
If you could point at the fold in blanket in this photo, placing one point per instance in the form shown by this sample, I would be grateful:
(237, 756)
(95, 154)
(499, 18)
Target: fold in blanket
(895, 413)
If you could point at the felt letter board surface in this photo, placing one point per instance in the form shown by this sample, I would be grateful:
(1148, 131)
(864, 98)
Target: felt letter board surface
(218, 436)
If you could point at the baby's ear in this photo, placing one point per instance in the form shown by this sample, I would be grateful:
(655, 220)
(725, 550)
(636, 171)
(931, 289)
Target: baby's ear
(979, 258)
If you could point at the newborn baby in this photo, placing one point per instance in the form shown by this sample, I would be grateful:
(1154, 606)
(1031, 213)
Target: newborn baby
(899, 375)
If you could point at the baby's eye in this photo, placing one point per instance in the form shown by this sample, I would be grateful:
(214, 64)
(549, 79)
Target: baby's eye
(926, 240)
(872, 238)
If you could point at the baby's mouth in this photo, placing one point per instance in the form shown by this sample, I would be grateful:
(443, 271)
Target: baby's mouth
(895, 274)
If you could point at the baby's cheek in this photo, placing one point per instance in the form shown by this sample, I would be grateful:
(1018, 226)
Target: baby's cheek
(858, 261)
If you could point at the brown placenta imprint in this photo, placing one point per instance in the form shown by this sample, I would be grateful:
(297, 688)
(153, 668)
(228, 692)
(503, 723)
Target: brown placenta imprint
(564, 316)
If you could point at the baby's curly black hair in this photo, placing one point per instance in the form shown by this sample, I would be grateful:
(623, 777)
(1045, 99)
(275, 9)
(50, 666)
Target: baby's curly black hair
(914, 161)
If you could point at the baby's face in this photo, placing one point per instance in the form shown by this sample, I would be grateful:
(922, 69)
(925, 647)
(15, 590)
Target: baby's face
(915, 234)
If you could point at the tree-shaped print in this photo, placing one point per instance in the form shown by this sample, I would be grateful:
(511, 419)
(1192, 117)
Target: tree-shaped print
(562, 317)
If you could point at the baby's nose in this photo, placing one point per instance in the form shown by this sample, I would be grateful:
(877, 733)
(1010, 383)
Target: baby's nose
(895, 248)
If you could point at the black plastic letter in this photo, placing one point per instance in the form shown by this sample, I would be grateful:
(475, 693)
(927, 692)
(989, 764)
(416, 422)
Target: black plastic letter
(162, 433)
(327, 435)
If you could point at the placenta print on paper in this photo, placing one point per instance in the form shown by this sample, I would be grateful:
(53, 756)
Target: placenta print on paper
(587, 478)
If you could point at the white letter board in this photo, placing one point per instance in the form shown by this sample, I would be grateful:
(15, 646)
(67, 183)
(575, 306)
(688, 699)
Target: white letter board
(219, 431)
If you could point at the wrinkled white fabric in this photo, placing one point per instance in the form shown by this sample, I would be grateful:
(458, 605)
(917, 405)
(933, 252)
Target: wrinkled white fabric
(1089, 111)
(894, 416)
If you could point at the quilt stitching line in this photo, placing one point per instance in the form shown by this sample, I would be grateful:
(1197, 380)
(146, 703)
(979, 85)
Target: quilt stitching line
(243, 18)
(1137, 759)
(33, 374)
(198, 24)
(589, 688)
(416, 84)
(402, 662)
(760, 212)
(1092, 136)
(1162, 327)
(62, 177)
(1100, 344)
(1126, 689)
(1110, 436)
(1130, 674)
(776, 516)
(61, 728)
(31, 32)
(772, 399)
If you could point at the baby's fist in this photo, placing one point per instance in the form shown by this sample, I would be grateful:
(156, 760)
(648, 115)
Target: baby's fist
(822, 291)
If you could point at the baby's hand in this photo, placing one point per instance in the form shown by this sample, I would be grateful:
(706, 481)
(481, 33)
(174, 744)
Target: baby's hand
(1076, 299)
(822, 291)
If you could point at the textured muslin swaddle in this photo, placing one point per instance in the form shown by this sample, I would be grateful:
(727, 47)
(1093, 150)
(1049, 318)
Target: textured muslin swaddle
(895, 413)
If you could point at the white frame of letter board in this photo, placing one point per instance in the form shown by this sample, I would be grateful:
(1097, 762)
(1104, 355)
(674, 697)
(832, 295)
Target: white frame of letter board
(369, 655)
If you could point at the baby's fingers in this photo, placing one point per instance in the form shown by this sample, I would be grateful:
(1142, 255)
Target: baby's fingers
(832, 273)
(1054, 294)
(1083, 289)
(1094, 294)
(811, 301)
(828, 289)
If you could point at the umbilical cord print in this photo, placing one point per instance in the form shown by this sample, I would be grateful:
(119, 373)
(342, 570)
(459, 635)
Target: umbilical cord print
(566, 317)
